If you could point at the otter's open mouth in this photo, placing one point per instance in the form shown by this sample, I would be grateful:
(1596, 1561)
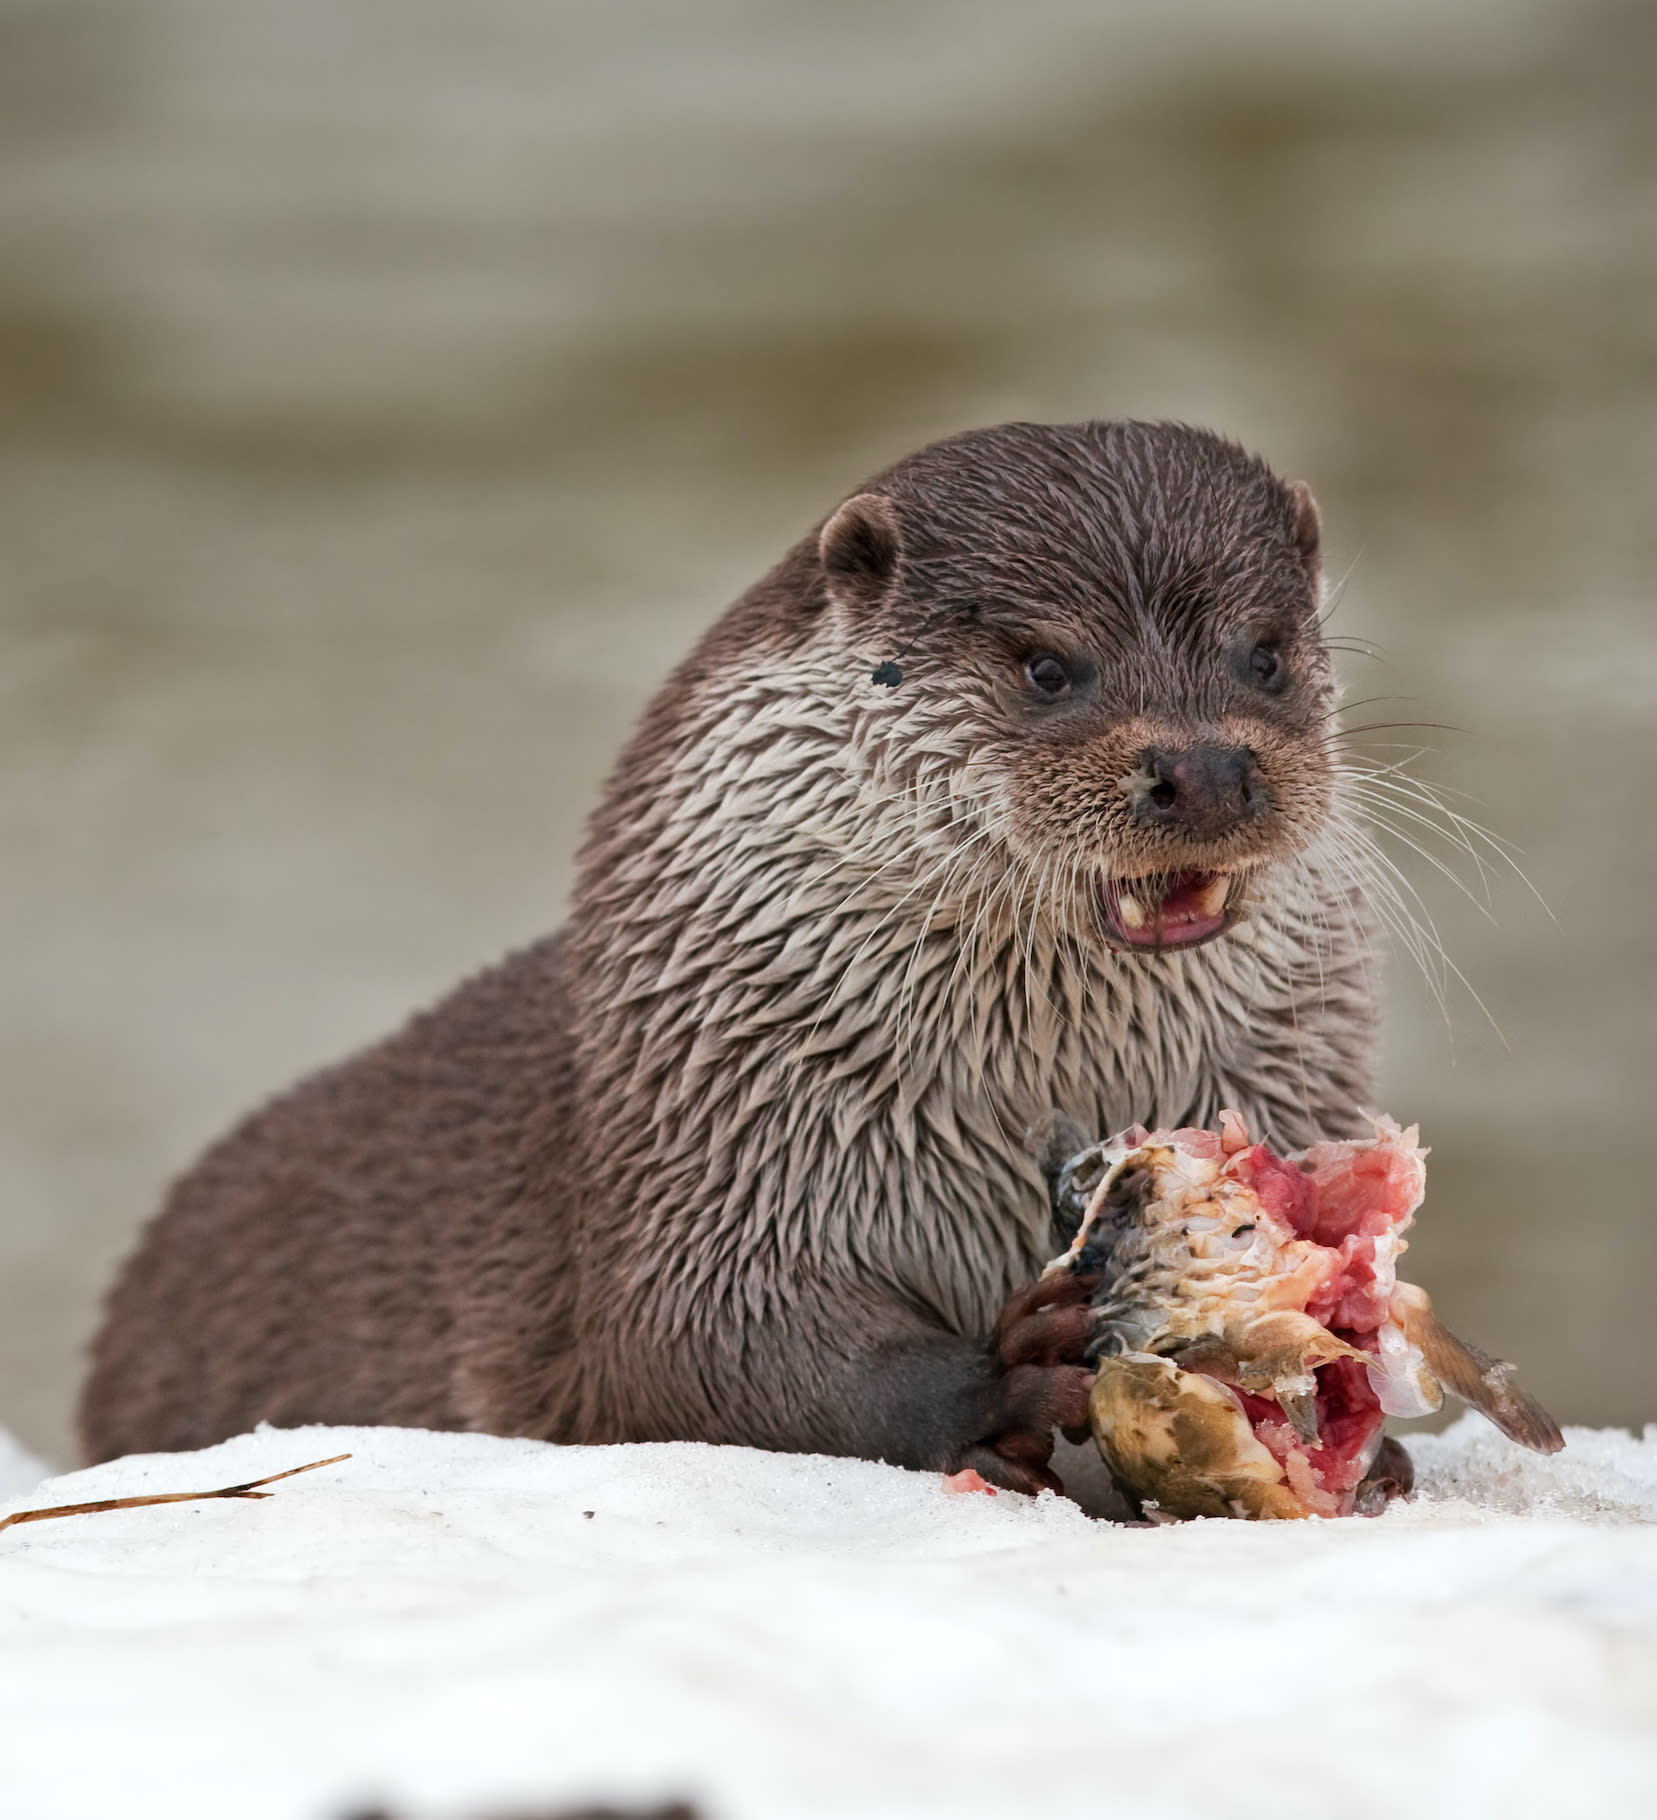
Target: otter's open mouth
(1166, 909)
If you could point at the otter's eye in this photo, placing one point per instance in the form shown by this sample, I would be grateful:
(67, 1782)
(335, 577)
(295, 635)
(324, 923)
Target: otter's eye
(1267, 668)
(1048, 674)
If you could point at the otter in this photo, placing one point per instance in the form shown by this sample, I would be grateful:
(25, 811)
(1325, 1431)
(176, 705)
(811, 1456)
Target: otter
(1011, 791)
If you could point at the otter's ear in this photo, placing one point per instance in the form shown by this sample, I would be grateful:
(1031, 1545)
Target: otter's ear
(1308, 534)
(859, 550)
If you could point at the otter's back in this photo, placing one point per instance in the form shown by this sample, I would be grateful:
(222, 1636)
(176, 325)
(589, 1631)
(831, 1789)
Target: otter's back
(326, 1261)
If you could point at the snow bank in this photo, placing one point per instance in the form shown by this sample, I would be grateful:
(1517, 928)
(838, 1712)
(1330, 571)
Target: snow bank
(19, 1471)
(454, 1624)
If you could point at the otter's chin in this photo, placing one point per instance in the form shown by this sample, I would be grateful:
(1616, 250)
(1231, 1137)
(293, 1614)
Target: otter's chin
(1164, 910)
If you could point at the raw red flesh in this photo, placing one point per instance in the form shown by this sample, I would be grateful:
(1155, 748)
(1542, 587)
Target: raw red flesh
(1349, 1417)
(1344, 1198)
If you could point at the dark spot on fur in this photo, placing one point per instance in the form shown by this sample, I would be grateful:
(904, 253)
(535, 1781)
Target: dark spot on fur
(888, 676)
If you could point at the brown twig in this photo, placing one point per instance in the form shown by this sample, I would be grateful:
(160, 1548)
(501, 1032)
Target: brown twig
(249, 1490)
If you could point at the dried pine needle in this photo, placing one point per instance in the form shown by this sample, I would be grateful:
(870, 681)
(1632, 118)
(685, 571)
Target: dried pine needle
(249, 1490)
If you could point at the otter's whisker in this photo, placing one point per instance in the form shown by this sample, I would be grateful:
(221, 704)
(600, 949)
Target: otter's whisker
(1383, 865)
(1379, 815)
(1456, 828)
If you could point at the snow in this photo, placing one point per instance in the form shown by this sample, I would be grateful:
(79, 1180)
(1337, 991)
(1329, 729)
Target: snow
(19, 1471)
(439, 1626)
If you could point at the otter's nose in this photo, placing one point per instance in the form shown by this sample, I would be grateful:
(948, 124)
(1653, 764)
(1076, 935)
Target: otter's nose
(1206, 790)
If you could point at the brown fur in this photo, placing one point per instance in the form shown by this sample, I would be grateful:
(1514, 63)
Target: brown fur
(738, 1156)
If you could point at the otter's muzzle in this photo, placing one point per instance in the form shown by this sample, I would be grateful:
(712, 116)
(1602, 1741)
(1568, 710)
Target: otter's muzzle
(1204, 791)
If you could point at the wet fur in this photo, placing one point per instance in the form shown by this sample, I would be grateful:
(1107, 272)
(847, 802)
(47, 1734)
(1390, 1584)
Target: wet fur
(739, 1155)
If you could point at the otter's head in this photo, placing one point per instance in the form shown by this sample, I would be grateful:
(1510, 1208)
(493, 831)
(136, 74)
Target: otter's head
(1121, 620)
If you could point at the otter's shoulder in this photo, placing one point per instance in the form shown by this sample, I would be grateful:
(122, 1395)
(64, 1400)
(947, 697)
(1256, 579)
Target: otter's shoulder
(491, 1054)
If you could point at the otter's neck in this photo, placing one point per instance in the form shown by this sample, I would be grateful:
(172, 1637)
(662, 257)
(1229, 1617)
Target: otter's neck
(818, 1009)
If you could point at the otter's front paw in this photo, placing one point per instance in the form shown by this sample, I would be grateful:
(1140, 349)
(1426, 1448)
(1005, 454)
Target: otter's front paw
(1039, 1342)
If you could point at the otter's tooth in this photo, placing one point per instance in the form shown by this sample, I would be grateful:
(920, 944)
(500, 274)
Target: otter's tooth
(1212, 900)
(1131, 911)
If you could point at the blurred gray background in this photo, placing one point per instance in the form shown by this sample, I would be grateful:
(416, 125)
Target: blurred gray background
(390, 392)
